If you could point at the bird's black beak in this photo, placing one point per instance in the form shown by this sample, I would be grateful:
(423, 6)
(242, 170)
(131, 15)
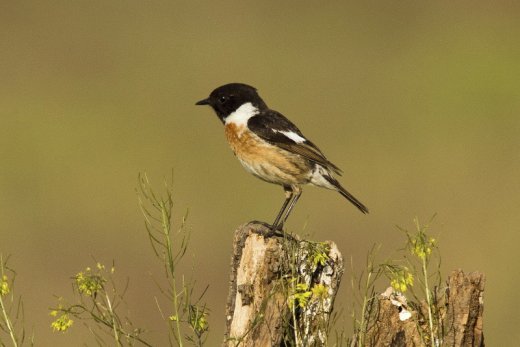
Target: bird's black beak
(203, 102)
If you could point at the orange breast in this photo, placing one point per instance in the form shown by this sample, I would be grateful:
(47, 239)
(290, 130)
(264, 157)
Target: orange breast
(242, 141)
(264, 160)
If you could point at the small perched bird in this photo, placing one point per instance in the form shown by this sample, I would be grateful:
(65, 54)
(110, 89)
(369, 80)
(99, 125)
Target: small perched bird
(271, 147)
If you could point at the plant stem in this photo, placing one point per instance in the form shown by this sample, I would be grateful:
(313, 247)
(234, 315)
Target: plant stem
(428, 301)
(8, 322)
(361, 341)
(165, 218)
(115, 327)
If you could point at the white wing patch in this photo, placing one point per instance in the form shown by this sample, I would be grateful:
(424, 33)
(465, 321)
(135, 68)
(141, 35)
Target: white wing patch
(292, 135)
(242, 115)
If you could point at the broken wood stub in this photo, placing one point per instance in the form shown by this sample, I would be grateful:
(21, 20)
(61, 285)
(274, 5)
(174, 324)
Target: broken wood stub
(465, 306)
(282, 289)
(460, 307)
(389, 329)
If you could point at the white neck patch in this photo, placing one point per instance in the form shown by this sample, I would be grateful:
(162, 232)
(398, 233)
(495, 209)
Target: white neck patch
(242, 115)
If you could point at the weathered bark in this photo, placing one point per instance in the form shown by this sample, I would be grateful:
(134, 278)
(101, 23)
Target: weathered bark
(460, 311)
(277, 284)
(464, 296)
(390, 329)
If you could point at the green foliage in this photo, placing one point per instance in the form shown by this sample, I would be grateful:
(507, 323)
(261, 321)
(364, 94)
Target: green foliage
(400, 276)
(188, 321)
(62, 322)
(425, 256)
(98, 296)
(363, 288)
(198, 321)
(299, 296)
(4, 285)
(411, 272)
(11, 309)
(306, 297)
(90, 283)
(320, 253)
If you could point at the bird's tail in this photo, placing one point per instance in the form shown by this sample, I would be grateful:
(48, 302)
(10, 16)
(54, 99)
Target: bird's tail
(346, 194)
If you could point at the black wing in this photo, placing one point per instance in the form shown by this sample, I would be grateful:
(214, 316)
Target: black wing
(273, 127)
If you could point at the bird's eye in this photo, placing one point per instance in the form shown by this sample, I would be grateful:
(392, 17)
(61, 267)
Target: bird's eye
(223, 99)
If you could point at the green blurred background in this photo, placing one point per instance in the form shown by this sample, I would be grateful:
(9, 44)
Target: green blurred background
(417, 102)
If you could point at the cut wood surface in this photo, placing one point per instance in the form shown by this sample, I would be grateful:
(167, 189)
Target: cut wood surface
(270, 279)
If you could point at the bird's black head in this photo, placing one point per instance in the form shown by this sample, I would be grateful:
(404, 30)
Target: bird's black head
(228, 98)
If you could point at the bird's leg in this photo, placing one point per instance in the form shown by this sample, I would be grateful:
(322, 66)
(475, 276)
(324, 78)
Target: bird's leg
(297, 191)
(288, 196)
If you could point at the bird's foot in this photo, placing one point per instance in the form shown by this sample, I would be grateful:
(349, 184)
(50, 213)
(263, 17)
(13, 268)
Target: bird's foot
(272, 230)
(276, 230)
(279, 232)
(267, 225)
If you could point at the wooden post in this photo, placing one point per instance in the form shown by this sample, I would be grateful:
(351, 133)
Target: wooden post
(281, 289)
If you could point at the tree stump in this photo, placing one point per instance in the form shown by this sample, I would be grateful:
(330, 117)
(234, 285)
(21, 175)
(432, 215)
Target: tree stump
(282, 289)
(460, 310)
(465, 306)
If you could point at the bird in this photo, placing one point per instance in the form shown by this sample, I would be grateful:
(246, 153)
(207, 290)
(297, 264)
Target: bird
(272, 148)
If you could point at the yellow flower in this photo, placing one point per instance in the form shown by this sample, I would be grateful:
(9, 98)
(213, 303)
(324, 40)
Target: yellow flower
(300, 296)
(401, 280)
(4, 286)
(320, 291)
(62, 323)
(302, 287)
(88, 283)
(321, 254)
(199, 323)
(422, 245)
